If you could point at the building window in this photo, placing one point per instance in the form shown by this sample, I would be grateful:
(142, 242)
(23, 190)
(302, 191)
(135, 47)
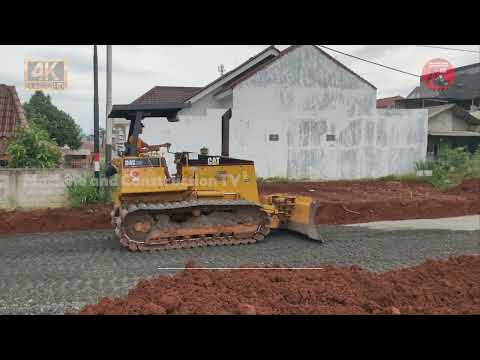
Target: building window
(330, 137)
(273, 137)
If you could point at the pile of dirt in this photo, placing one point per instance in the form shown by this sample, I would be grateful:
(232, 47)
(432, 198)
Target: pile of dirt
(349, 202)
(435, 287)
(53, 220)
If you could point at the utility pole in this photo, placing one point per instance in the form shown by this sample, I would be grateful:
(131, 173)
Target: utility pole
(96, 143)
(108, 121)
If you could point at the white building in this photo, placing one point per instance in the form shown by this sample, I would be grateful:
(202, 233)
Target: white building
(119, 135)
(297, 113)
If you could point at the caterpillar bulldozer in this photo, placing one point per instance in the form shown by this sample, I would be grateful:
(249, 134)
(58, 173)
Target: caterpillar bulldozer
(211, 200)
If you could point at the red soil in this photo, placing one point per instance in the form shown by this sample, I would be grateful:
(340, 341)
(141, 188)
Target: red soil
(435, 287)
(349, 202)
(341, 202)
(52, 220)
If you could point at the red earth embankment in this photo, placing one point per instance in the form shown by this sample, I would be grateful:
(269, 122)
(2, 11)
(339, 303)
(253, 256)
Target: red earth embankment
(435, 287)
(349, 202)
(341, 202)
(53, 220)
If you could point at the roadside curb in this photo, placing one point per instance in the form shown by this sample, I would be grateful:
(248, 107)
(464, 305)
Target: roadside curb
(459, 223)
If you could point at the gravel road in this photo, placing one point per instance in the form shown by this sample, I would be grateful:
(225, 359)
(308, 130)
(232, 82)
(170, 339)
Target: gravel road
(60, 272)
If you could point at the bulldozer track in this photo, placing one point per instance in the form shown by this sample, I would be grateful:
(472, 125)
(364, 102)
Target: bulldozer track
(215, 236)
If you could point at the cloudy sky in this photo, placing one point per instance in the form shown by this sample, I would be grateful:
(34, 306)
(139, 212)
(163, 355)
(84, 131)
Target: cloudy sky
(136, 69)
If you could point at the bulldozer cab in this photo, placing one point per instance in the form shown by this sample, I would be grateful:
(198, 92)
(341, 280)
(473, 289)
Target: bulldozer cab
(135, 113)
(203, 173)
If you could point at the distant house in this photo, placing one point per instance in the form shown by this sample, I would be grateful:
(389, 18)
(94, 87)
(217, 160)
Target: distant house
(80, 158)
(452, 113)
(388, 103)
(466, 86)
(451, 124)
(414, 94)
(87, 144)
(12, 118)
(464, 92)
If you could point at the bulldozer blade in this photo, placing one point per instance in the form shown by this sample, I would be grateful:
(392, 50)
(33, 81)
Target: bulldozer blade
(310, 230)
(302, 220)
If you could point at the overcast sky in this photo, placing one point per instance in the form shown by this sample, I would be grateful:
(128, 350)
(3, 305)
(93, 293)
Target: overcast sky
(136, 69)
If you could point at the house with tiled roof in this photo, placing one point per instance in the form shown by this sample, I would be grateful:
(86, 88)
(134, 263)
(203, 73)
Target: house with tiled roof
(12, 117)
(452, 125)
(463, 91)
(298, 113)
(388, 103)
(167, 94)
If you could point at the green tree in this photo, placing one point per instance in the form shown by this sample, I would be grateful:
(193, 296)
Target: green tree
(32, 147)
(38, 120)
(60, 126)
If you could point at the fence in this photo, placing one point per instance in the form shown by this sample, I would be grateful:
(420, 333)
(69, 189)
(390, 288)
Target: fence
(35, 188)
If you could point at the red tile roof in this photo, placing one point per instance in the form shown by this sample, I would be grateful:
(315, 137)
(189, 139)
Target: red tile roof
(237, 81)
(166, 94)
(11, 112)
(388, 102)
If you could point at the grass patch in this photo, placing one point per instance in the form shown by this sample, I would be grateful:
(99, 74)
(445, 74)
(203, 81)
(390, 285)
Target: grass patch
(83, 191)
(280, 179)
(406, 177)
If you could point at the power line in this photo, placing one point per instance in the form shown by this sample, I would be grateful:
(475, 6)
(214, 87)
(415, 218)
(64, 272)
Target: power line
(368, 61)
(448, 48)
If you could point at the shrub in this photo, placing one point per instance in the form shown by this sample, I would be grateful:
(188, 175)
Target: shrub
(453, 165)
(83, 191)
(476, 162)
(33, 148)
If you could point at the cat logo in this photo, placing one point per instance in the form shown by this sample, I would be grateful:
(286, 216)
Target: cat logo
(215, 160)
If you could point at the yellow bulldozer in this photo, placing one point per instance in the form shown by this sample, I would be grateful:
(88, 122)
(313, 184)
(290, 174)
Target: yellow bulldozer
(210, 200)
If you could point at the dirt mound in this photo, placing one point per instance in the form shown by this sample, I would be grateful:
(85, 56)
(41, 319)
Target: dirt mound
(435, 287)
(349, 202)
(58, 219)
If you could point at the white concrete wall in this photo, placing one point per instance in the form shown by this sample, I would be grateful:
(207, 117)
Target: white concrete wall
(305, 96)
(35, 188)
(199, 126)
(400, 139)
